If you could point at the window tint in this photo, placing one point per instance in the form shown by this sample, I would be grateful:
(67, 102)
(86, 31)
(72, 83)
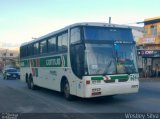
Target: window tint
(126, 58)
(106, 33)
(52, 44)
(30, 50)
(11, 70)
(77, 59)
(23, 51)
(75, 35)
(43, 47)
(36, 48)
(62, 42)
(99, 59)
(26, 51)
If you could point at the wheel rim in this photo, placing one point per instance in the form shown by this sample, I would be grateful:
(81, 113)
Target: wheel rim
(66, 90)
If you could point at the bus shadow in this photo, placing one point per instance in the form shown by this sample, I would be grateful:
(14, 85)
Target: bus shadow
(95, 100)
(101, 100)
(48, 92)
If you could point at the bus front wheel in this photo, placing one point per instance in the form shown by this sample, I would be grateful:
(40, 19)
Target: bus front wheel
(66, 89)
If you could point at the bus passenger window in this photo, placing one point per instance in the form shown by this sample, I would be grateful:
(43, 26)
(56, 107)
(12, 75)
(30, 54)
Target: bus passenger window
(52, 44)
(30, 50)
(62, 42)
(75, 35)
(36, 48)
(43, 47)
(77, 59)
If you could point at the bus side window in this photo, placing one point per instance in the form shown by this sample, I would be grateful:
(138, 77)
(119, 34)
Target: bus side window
(27, 51)
(30, 50)
(62, 42)
(36, 48)
(23, 51)
(52, 46)
(77, 59)
(43, 47)
(75, 35)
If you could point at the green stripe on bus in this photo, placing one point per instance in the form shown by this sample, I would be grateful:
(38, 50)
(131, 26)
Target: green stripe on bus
(119, 77)
(96, 78)
(56, 61)
(24, 63)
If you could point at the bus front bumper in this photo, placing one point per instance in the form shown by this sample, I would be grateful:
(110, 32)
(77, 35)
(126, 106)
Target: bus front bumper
(111, 89)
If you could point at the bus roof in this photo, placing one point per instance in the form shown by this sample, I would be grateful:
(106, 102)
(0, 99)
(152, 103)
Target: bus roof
(77, 24)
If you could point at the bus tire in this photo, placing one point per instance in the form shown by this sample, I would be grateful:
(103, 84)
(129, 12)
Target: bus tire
(66, 91)
(26, 78)
(30, 83)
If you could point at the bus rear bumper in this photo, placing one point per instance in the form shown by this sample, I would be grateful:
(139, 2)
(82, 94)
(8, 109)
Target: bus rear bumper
(111, 89)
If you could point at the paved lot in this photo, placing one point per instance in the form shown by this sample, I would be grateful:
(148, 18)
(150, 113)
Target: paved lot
(16, 97)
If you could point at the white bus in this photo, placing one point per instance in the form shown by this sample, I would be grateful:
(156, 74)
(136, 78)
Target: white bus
(84, 59)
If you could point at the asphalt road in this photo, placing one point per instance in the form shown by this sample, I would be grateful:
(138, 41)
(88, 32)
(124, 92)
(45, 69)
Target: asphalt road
(16, 97)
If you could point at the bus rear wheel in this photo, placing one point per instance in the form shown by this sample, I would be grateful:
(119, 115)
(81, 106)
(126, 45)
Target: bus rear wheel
(30, 83)
(66, 90)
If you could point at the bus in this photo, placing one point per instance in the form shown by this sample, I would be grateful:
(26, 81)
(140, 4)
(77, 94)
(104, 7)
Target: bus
(83, 59)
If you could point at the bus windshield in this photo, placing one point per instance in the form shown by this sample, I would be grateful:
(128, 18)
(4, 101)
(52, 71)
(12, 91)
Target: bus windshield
(100, 59)
(107, 34)
(126, 58)
(110, 59)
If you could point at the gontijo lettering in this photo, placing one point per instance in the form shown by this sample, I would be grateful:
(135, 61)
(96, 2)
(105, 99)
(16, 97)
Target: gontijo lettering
(53, 62)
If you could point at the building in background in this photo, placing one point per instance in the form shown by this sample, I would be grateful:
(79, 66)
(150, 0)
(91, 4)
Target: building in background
(138, 33)
(9, 58)
(149, 48)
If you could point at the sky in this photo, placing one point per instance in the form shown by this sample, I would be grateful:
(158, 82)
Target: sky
(22, 20)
